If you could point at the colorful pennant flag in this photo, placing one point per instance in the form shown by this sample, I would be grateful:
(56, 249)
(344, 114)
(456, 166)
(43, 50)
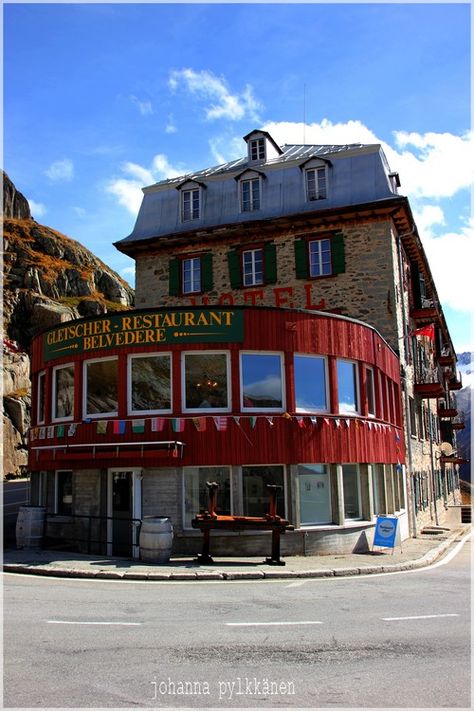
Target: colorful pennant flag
(177, 424)
(42, 433)
(119, 427)
(101, 427)
(50, 431)
(326, 420)
(287, 416)
(253, 422)
(200, 423)
(138, 426)
(237, 421)
(60, 431)
(157, 424)
(427, 331)
(270, 421)
(300, 421)
(314, 421)
(220, 423)
(337, 422)
(72, 429)
(348, 423)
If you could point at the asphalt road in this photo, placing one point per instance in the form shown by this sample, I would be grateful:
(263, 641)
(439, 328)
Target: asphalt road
(393, 640)
(15, 494)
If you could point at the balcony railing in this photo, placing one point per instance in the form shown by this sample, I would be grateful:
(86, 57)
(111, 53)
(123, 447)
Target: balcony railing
(429, 381)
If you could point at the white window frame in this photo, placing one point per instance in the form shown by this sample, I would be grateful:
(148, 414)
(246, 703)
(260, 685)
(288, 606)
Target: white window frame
(357, 388)
(251, 182)
(41, 376)
(253, 276)
(183, 492)
(317, 174)
(326, 380)
(205, 410)
(135, 356)
(282, 375)
(369, 369)
(56, 488)
(319, 256)
(359, 493)
(193, 261)
(194, 214)
(96, 415)
(137, 476)
(68, 418)
(257, 150)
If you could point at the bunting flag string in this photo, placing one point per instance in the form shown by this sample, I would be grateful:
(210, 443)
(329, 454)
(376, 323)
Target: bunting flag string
(337, 422)
(200, 423)
(177, 424)
(314, 421)
(119, 427)
(138, 426)
(270, 421)
(300, 421)
(72, 429)
(60, 431)
(157, 424)
(101, 426)
(220, 423)
(50, 431)
(253, 422)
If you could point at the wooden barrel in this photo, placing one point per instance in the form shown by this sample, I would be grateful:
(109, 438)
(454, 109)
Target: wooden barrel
(156, 539)
(30, 526)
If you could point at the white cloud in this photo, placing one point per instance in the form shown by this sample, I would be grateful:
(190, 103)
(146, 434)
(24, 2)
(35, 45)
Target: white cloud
(144, 107)
(80, 211)
(128, 190)
(128, 274)
(427, 216)
(61, 170)
(226, 148)
(37, 208)
(207, 86)
(170, 126)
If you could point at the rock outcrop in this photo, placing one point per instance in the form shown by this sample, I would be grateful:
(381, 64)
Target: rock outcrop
(48, 279)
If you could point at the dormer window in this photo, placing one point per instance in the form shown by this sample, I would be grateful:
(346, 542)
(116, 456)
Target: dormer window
(250, 195)
(316, 183)
(190, 204)
(257, 149)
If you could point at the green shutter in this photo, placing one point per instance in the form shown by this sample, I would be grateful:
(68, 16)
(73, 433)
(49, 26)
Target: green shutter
(301, 259)
(270, 263)
(173, 273)
(235, 274)
(337, 253)
(206, 272)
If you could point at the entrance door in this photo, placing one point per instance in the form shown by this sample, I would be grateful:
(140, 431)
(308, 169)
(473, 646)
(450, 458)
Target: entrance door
(315, 495)
(124, 504)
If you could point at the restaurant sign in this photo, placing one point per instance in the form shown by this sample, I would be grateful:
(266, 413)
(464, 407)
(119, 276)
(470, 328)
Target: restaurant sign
(145, 328)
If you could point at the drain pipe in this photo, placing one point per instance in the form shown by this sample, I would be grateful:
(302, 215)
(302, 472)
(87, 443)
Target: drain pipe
(404, 384)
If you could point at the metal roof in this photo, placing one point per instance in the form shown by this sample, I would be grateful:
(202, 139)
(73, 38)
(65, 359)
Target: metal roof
(290, 152)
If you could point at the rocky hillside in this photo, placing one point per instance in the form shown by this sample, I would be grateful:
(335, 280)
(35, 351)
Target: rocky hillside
(48, 279)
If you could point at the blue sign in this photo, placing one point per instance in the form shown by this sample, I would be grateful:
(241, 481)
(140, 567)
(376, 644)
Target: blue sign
(385, 531)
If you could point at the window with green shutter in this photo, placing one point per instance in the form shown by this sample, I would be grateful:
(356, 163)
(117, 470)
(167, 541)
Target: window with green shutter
(338, 254)
(206, 272)
(270, 263)
(174, 277)
(235, 273)
(301, 259)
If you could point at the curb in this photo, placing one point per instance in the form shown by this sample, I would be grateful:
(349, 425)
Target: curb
(426, 560)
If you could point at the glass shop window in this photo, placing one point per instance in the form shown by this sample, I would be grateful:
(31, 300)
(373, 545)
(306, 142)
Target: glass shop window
(101, 378)
(196, 494)
(348, 386)
(63, 493)
(206, 381)
(315, 494)
(378, 488)
(149, 383)
(256, 496)
(261, 381)
(63, 392)
(310, 384)
(351, 490)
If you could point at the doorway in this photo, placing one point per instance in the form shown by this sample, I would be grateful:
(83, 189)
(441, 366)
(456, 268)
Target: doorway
(124, 502)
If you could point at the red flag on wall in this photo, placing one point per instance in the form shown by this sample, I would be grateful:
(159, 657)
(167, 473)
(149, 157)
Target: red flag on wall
(427, 331)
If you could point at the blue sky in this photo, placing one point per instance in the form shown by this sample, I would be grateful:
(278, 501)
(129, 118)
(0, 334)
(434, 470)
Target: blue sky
(101, 99)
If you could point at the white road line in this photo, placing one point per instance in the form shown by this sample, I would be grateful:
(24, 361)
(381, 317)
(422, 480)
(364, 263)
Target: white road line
(420, 617)
(296, 584)
(77, 622)
(273, 624)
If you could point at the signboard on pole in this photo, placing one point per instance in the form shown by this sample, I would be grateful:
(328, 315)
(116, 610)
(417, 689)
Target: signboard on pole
(385, 531)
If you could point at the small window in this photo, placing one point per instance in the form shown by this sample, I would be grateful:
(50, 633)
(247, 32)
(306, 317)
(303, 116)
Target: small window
(261, 381)
(378, 486)
(63, 392)
(348, 387)
(206, 381)
(255, 493)
(252, 267)
(191, 275)
(310, 383)
(149, 378)
(257, 149)
(40, 398)
(250, 195)
(196, 493)
(351, 491)
(101, 387)
(63, 493)
(320, 258)
(190, 204)
(370, 391)
(316, 184)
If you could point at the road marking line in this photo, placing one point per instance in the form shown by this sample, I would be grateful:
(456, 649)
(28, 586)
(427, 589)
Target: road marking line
(420, 617)
(265, 624)
(297, 584)
(75, 622)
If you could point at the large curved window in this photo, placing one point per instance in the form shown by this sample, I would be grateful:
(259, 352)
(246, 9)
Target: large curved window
(101, 387)
(261, 381)
(256, 496)
(196, 493)
(63, 392)
(347, 387)
(310, 384)
(206, 382)
(149, 383)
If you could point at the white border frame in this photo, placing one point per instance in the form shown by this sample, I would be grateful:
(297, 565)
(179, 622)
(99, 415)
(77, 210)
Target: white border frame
(183, 491)
(137, 476)
(263, 410)
(249, 179)
(326, 383)
(130, 358)
(68, 418)
(191, 188)
(205, 410)
(355, 363)
(97, 415)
